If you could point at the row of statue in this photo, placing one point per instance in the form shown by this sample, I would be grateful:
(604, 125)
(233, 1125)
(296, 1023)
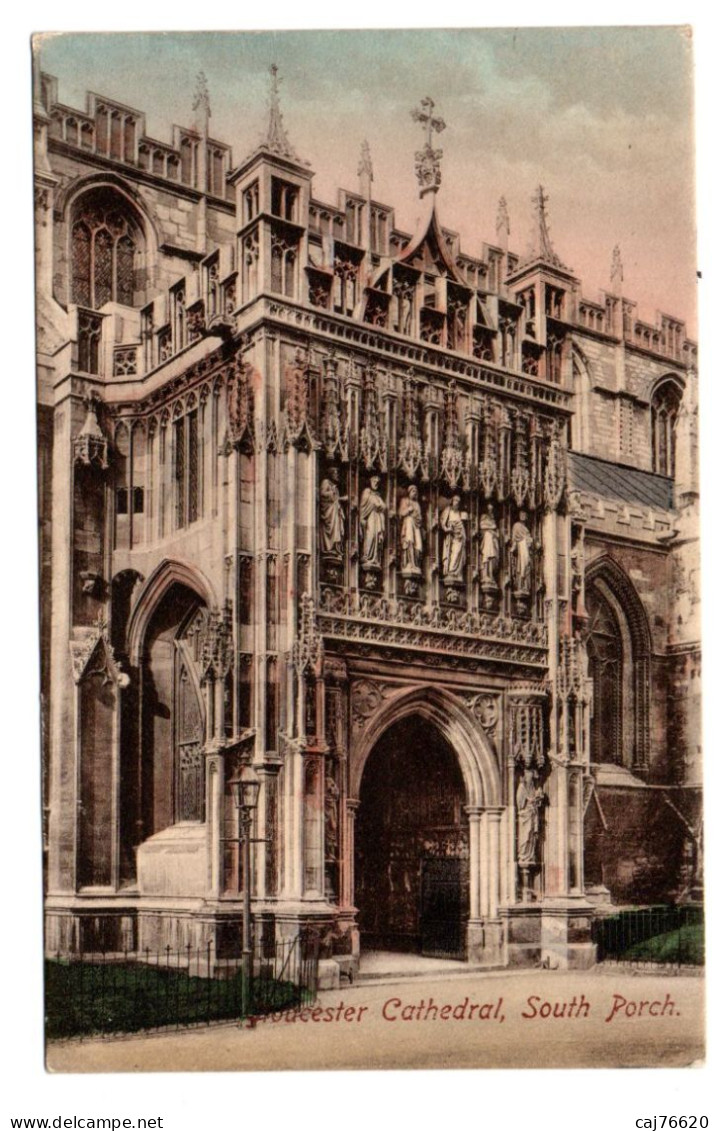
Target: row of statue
(453, 524)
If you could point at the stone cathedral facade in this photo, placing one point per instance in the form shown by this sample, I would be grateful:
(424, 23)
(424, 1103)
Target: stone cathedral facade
(413, 533)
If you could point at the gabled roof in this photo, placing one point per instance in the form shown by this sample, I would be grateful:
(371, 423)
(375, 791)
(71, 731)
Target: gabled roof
(431, 235)
(615, 481)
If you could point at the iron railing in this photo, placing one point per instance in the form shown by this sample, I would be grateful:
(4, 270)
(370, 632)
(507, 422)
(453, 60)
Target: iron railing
(663, 936)
(122, 992)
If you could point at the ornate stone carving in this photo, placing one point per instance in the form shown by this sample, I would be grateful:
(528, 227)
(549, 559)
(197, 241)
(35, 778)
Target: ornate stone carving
(335, 669)
(485, 709)
(427, 159)
(521, 548)
(217, 648)
(488, 550)
(372, 439)
(308, 652)
(411, 534)
(555, 470)
(529, 800)
(526, 729)
(366, 618)
(452, 458)
(372, 520)
(332, 516)
(331, 424)
(454, 551)
(366, 698)
(297, 420)
(411, 450)
(240, 406)
(90, 445)
(92, 654)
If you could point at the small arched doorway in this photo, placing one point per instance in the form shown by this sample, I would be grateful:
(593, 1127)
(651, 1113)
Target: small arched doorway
(412, 844)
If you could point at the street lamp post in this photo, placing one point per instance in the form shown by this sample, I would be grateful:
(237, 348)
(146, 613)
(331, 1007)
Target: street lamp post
(245, 788)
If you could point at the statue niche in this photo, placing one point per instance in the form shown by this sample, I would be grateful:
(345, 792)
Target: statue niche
(373, 525)
(332, 526)
(411, 537)
(453, 524)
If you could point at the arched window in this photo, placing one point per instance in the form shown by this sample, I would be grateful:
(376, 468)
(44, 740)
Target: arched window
(665, 407)
(606, 662)
(619, 649)
(105, 241)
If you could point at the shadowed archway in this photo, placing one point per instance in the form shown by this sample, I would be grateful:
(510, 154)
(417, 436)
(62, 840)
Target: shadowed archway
(412, 843)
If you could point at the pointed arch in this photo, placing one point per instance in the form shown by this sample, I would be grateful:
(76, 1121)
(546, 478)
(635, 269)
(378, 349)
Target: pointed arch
(112, 242)
(582, 386)
(666, 399)
(457, 725)
(167, 574)
(613, 585)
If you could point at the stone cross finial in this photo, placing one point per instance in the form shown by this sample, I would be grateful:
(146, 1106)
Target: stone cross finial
(425, 117)
(427, 159)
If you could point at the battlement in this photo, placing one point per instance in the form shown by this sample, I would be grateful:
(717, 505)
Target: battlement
(117, 132)
(357, 238)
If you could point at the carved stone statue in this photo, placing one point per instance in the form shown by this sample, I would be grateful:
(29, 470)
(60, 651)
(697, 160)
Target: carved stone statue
(489, 549)
(411, 539)
(372, 525)
(529, 800)
(332, 518)
(521, 550)
(454, 553)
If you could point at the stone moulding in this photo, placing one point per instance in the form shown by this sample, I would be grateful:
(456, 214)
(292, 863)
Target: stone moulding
(369, 338)
(407, 625)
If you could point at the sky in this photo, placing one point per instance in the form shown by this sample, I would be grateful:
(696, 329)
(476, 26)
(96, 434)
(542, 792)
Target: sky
(602, 117)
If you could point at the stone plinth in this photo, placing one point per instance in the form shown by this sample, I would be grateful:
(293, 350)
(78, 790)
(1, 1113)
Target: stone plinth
(523, 932)
(485, 942)
(567, 935)
(174, 862)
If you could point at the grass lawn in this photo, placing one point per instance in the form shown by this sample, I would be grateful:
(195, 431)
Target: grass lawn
(685, 946)
(83, 998)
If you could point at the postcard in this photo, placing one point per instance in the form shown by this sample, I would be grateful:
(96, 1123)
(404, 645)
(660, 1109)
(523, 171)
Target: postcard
(367, 404)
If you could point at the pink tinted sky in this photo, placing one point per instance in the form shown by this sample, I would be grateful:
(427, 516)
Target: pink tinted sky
(601, 116)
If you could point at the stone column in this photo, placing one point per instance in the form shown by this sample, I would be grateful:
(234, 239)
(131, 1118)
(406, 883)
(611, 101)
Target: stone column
(493, 864)
(215, 770)
(484, 865)
(347, 881)
(474, 814)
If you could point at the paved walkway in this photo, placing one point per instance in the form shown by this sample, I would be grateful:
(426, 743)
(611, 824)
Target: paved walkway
(376, 964)
(528, 1019)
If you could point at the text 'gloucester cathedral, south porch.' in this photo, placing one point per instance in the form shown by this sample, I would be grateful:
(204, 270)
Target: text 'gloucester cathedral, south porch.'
(411, 532)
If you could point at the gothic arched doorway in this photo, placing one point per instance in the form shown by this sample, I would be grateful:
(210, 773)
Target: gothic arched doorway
(412, 844)
(170, 775)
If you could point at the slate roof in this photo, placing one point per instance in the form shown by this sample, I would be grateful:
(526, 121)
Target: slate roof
(615, 481)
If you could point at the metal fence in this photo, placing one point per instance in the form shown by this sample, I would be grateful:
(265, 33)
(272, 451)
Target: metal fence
(664, 936)
(103, 993)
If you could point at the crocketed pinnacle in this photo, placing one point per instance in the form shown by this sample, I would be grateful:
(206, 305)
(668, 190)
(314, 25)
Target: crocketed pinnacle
(201, 98)
(277, 141)
(542, 244)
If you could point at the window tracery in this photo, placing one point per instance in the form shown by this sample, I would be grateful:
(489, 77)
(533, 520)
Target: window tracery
(606, 663)
(665, 408)
(105, 241)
